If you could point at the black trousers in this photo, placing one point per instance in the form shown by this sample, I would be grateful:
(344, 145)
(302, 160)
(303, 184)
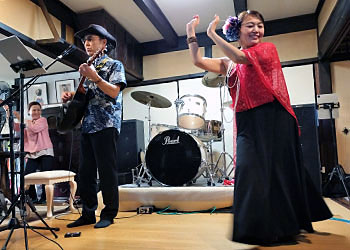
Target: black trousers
(274, 196)
(42, 163)
(99, 152)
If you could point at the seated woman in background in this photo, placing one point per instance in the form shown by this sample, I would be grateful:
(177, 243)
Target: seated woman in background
(37, 145)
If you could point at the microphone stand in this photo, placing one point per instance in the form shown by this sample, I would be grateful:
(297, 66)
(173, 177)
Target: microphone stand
(22, 199)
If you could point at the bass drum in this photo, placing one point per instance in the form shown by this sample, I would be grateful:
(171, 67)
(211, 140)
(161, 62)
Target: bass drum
(175, 158)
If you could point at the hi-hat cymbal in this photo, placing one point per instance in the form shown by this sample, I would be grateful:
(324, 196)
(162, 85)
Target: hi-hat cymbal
(154, 100)
(213, 80)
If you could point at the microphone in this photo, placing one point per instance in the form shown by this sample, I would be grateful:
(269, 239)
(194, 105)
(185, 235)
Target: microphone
(67, 51)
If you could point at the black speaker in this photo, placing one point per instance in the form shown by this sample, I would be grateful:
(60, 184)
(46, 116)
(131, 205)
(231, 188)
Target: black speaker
(307, 118)
(130, 143)
(66, 149)
(51, 114)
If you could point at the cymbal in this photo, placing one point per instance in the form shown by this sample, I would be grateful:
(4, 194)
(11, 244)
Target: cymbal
(213, 80)
(154, 100)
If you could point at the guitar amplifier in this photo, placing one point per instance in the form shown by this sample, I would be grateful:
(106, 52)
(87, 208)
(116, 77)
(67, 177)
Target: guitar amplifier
(130, 143)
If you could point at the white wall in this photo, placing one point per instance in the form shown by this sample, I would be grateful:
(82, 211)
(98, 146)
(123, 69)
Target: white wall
(300, 84)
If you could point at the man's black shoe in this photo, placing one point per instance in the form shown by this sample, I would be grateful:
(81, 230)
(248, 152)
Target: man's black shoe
(82, 221)
(103, 223)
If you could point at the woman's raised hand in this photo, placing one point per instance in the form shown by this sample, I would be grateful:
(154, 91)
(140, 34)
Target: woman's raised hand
(212, 26)
(191, 26)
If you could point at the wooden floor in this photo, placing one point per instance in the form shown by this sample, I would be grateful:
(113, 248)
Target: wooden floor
(190, 231)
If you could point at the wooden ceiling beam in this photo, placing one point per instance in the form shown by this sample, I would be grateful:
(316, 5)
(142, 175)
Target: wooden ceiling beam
(336, 30)
(158, 19)
(240, 5)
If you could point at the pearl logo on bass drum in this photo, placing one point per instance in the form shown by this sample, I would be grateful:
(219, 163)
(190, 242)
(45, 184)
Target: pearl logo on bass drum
(168, 141)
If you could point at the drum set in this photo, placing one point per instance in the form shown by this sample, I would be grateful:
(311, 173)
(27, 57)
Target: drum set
(179, 155)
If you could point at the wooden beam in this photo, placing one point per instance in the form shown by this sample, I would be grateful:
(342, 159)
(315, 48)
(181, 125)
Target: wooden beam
(158, 19)
(166, 80)
(274, 27)
(56, 36)
(161, 46)
(60, 11)
(335, 30)
(73, 60)
(290, 24)
(300, 62)
(240, 5)
(323, 77)
(319, 7)
(208, 51)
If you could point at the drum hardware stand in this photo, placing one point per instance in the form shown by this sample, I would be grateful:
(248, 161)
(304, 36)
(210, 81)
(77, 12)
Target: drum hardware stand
(337, 170)
(22, 199)
(177, 103)
(141, 174)
(223, 154)
(210, 168)
(149, 120)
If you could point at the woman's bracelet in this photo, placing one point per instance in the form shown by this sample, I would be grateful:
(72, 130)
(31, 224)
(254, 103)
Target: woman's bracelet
(192, 39)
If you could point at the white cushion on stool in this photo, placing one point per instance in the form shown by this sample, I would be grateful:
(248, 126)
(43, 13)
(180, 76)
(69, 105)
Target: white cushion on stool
(49, 178)
(49, 174)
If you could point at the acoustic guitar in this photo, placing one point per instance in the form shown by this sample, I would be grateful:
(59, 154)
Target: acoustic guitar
(73, 111)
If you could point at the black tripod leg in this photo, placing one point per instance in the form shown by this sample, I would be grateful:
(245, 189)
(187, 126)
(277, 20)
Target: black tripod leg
(13, 223)
(25, 232)
(32, 207)
(8, 239)
(330, 178)
(9, 211)
(341, 177)
(7, 215)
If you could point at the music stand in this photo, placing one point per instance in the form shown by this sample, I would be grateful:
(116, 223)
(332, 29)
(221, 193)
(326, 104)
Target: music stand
(26, 65)
(328, 106)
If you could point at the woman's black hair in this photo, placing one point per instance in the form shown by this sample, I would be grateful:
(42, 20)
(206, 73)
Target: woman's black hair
(255, 13)
(32, 104)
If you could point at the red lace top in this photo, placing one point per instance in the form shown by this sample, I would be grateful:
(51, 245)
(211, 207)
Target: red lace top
(261, 81)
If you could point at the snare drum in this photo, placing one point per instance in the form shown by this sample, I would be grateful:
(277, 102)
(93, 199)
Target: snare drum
(210, 131)
(191, 112)
(175, 158)
(157, 128)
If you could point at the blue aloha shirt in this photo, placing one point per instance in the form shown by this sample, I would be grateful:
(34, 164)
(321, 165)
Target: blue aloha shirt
(104, 111)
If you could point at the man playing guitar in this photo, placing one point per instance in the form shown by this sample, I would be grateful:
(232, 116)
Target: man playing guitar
(105, 79)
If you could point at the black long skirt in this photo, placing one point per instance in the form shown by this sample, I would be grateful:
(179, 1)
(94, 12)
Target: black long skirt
(274, 197)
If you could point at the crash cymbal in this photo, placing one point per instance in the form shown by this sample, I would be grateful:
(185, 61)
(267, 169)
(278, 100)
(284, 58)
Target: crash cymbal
(154, 100)
(213, 80)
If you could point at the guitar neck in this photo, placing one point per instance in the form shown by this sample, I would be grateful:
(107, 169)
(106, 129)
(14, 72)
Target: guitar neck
(81, 88)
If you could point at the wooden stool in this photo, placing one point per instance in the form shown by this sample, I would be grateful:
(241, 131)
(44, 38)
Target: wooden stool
(49, 178)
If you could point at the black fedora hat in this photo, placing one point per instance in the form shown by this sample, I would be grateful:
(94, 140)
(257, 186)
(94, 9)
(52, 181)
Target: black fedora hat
(95, 29)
